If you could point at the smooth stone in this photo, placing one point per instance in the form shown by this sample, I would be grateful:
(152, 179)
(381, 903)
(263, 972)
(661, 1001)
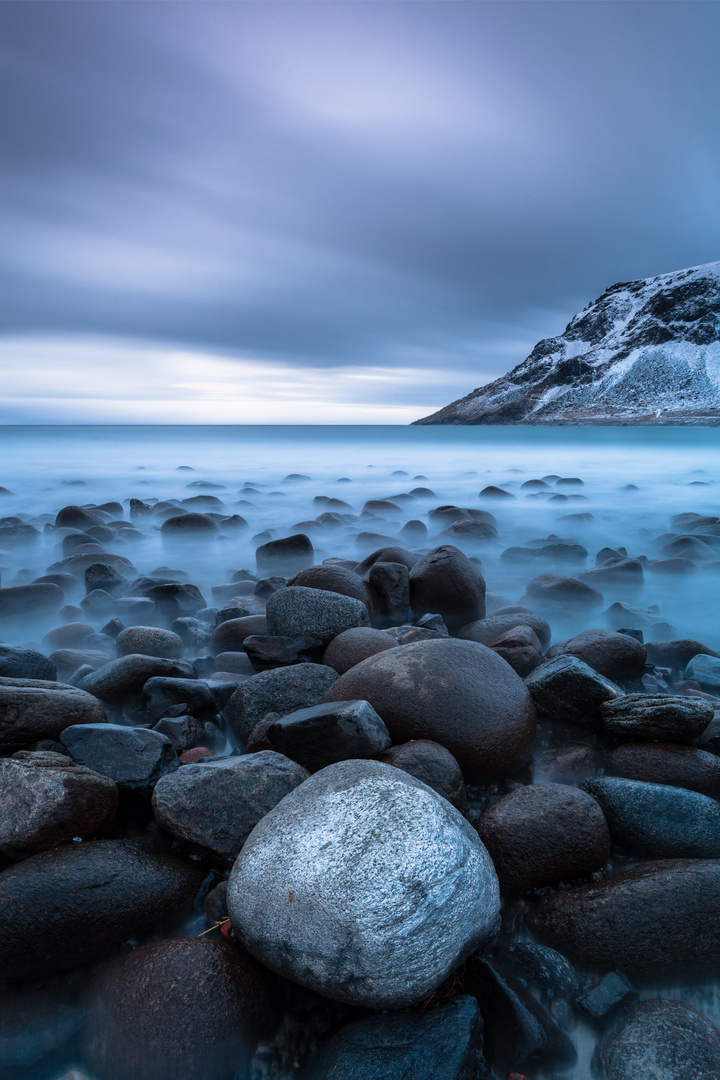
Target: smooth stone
(173, 599)
(614, 572)
(652, 920)
(520, 648)
(334, 579)
(32, 709)
(661, 1040)
(433, 764)
(556, 589)
(447, 583)
(213, 807)
(485, 631)
(656, 716)
(100, 575)
(286, 556)
(547, 969)
(281, 690)
(184, 732)
(706, 671)
(324, 734)
(365, 885)
(617, 656)
(149, 641)
(188, 1008)
(568, 690)
(76, 517)
(655, 821)
(388, 554)
(19, 663)
(67, 636)
(457, 693)
(302, 612)
(79, 903)
(134, 757)
(47, 800)
(444, 1043)
(190, 524)
(676, 654)
(230, 635)
(161, 693)
(265, 652)
(128, 674)
(543, 834)
(390, 588)
(667, 763)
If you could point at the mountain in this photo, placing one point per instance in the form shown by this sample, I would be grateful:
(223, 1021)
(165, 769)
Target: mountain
(645, 352)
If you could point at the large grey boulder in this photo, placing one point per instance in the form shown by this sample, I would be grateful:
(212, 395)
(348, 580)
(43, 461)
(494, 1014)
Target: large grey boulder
(32, 709)
(281, 690)
(661, 1040)
(364, 885)
(212, 807)
(301, 612)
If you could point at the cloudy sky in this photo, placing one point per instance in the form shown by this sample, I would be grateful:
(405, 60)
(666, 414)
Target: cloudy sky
(332, 212)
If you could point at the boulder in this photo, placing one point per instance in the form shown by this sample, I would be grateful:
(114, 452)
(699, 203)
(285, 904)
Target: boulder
(444, 1043)
(433, 764)
(655, 821)
(543, 834)
(229, 636)
(556, 590)
(334, 579)
(485, 631)
(212, 807)
(173, 599)
(618, 656)
(520, 648)
(161, 694)
(32, 709)
(662, 1040)
(389, 554)
(190, 524)
(365, 885)
(79, 903)
(457, 693)
(184, 732)
(77, 517)
(100, 575)
(286, 556)
(676, 654)
(282, 690)
(134, 757)
(447, 583)
(706, 671)
(667, 763)
(265, 652)
(189, 1007)
(323, 734)
(19, 663)
(656, 716)
(36, 599)
(67, 636)
(128, 674)
(316, 613)
(149, 641)
(47, 801)
(568, 690)
(652, 920)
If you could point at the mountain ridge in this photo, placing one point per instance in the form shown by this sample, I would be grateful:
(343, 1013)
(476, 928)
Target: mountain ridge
(643, 352)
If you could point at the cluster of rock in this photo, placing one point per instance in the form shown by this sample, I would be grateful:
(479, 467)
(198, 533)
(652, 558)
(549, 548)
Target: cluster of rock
(386, 787)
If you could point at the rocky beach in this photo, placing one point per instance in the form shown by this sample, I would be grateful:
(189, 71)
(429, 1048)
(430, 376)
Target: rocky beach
(360, 779)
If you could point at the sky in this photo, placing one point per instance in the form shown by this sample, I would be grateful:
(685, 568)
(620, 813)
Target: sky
(337, 211)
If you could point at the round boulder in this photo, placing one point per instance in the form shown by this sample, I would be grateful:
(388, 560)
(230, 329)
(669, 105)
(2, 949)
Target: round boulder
(190, 524)
(301, 612)
(618, 656)
(355, 645)
(457, 693)
(149, 641)
(665, 1040)
(445, 582)
(364, 885)
(433, 764)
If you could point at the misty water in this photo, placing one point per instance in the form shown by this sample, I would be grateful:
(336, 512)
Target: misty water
(633, 482)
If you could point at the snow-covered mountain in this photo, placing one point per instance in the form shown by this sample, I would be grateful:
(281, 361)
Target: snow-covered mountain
(645, 352)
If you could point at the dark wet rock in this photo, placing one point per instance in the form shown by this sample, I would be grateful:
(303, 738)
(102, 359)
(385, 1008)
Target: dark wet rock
(519, 1032)
(676, 654)
(266, 652)
(405, 635)
(323, 734)
(34, 599)
(484, 631)
(134, 757)
(79, 903)
(230, 635)
(32, 709)
(552, 548)
(267, 586)
(492, 492)
(655, 821)
(433, 764)
(257, 739)
(174, 599)
(614, 572)
(637, 717)
(195, 755)
(447, 583)
(235, 663)
(612, 993)
(468, 531)
(618, 656)
(390, 588)
(542, 834)
(520, 648)
(444, 1043)
(457, 693)
(161, 694)
(98, 602)
(568, 690)
(184, 732)
(334, 579)
(653, 920)
(194, 633)
(706, 671)
(667, 763)
(547, 969)
(446, 515)
(67, 636)
(213, 807)
(128, 674)
(101, 576)
(190, 524)
(570, 763)
(149, 641)
(77, 517)
(282, 690)
(188, 1008)
(414, 532)
(387, 554)
(662, 1040)
(365, 885)
(316, 613)
(554, 590)
(19, 663)
(47, 801)
(286, 556)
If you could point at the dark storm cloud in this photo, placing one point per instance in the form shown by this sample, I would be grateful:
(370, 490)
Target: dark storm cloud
(412, 184)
